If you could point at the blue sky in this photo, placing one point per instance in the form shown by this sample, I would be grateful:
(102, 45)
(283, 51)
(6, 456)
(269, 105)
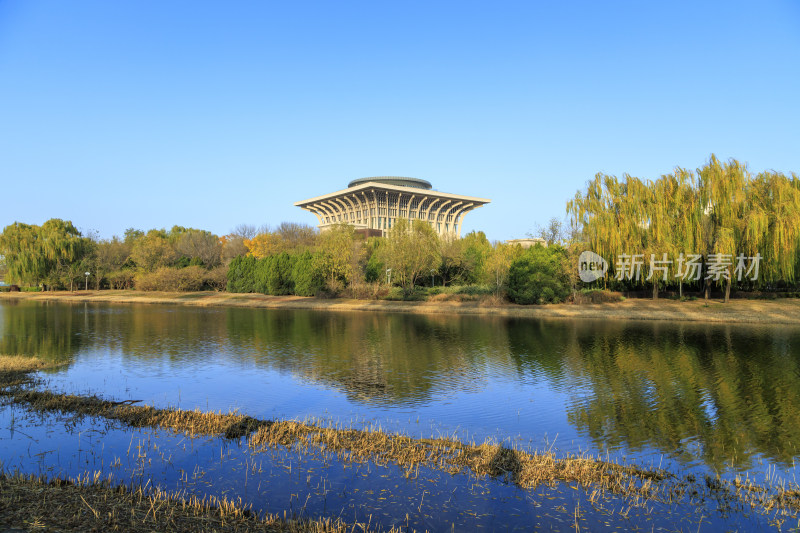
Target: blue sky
(149, 114)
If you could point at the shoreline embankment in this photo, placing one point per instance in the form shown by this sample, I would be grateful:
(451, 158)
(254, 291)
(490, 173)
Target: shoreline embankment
(766, 312)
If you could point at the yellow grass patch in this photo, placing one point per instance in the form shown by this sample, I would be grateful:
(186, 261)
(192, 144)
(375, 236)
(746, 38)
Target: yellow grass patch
(21, 363)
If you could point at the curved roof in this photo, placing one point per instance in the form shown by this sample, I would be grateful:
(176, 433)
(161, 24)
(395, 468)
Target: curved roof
(394, 180)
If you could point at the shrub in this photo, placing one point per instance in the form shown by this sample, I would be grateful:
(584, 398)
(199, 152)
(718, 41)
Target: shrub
(120, 279)
(405, 294)
(366, 291)
(191, 278)
(216, 279)
(597, 296)
(458, 293)
(473, 290)
(539, 276)
(375, 270)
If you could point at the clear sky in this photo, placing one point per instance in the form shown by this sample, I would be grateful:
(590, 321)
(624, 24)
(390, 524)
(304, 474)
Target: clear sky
(117, 114)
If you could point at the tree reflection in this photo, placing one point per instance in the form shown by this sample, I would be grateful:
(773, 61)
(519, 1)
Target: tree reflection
(48, 330)
(718, 393)
(384, 359)
(721, 393)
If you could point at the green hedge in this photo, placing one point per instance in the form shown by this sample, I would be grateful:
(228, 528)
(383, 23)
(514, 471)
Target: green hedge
(277, 274)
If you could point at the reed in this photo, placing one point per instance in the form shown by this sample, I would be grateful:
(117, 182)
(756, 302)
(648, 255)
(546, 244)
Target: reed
(87, 503)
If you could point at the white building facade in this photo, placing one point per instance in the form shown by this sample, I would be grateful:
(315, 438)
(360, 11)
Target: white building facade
(377, 203)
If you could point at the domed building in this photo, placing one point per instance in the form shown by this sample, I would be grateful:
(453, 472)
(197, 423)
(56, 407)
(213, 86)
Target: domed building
(374, 205)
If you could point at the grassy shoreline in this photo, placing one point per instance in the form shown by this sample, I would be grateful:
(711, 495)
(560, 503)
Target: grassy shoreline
(786, 312)
(31, 503)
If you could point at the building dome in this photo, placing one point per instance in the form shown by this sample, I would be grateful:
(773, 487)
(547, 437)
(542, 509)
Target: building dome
(393, 180)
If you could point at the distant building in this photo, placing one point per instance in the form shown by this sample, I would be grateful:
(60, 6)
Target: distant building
(527, 243)
(375, 204)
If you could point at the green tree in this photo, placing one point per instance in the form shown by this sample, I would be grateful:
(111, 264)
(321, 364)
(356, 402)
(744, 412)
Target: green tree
(539, 276)
(334, 258)
(498, 264)
(308, 277)
(411, 251)
(241, 274)
(374, 268)
(280, 278)
(476, 251)
(50, 253)
(20, 246)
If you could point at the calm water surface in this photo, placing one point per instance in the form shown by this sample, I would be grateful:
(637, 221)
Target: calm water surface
(717, 395)
(706, 398)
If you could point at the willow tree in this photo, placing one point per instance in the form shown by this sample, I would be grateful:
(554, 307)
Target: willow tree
(64, 249)
(614, 218)
(50, 253)
(733, 224)
(774, 222)
(660, 222)
(20, 247)
(597, 215)
(672, 222)
(723, 217)
(687, 213)
(644, 226)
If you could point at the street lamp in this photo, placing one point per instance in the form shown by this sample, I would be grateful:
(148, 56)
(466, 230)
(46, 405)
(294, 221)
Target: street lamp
(87, 274)
(388, 276)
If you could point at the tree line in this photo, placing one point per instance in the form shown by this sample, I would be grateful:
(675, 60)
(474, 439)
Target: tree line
(56, 255)
(720, 226)
(289, 259)
(341, 261)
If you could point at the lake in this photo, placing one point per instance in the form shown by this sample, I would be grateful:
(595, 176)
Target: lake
(703, 398)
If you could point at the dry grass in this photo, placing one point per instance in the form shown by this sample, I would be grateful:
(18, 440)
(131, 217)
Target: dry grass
(21, 363)
(87, 504)
(786, 311)
(527, 470)
(15, 369)
(229, 425)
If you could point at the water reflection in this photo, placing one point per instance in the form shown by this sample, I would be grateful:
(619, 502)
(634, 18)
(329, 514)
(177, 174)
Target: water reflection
(374, 358)
(720, 394)
(723, 392)
(51, 331)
